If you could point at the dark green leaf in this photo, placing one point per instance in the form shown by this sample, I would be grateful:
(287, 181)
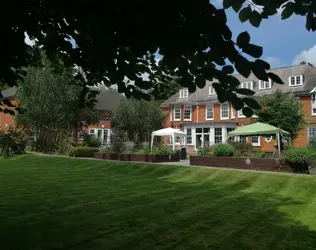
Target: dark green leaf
(200, 81)
(237, 102)
(309, 21)
(247, 111)
(227, 3)
(255, 19)
(244, 14)
(242, 66)
(275, 78)
(221, 95)
(263, 64)
(192, 88)
(237, 4)
(228, 69)
(243, 39)
(259, 71)
(245, 91)
(286, 13)
(269, 11)
(11, 112)
(251, 103)
(220, 15)
(253, 50)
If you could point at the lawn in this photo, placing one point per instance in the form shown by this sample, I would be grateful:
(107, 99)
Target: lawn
(61, 203)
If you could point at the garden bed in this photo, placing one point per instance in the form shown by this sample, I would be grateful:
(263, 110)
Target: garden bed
(260, 164)
(137, 157)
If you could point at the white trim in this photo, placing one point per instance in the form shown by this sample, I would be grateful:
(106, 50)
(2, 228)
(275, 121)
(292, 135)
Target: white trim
(211, 90)
(264, 84)
(313, 104)
(186, 131)
(256, 144)
(225, 118)
(249, 84)
(174, 112)
(207, 106)
(295, 85)
(233, 113)
(268, 140)
(170, 114)
(184, 107)
(240, 114)
(184, 93)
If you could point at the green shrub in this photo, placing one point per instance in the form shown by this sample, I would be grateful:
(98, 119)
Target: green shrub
(162, 150)
(300, 158)
(240, 146)
(223, 150)
(205, 151)
(107, 149)
(13, 140)
(83, 152)
(91, 141)
(129, 147)
(63, 145)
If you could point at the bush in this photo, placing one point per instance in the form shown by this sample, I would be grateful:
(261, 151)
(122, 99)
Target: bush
(107, 149)
(300, 158)
(63, 145)
(163, 150)
(91, 141)
(129, 147)
(223, 150)
(83, 152)
(13, 140)
(240, 146)
(117, 140)
(205, 151)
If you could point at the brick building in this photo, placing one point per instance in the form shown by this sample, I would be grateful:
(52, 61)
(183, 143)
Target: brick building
(207, 122)
(107, 101)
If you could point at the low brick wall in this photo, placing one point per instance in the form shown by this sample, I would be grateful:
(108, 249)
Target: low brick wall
(137, 157)
(260, 164)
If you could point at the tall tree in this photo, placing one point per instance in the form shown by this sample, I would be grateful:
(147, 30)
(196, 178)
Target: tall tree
(111, 45)
(282, 110)
(138, 118)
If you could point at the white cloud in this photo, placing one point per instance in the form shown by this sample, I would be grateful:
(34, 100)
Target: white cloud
(275, 62)
(27, 40)
(308, 56)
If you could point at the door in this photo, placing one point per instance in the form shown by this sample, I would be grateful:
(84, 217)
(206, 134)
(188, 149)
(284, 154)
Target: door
(198, 141)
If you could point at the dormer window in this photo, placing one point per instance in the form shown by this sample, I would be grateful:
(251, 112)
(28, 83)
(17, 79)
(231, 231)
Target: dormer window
(296, 81)
(246, 85)
(313, 101)
(184, 93)
(265, 84)
(211, 91)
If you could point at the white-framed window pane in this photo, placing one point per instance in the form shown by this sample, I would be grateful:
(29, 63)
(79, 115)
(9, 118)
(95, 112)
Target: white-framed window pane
(313, 98)
(247, 85)
(211, 90)
(91, 131)
(233, 112)
(224, 110)
(230, 139)
(298, 80)
(314, 111)
(177, 139)
(189, 136)
(105, 136)
(255, 140)
(292, 80)
(209, 112)
(311, 134)
(184, 93)
(170, 114)
(218, 135)
(187, 112)
(177, 113)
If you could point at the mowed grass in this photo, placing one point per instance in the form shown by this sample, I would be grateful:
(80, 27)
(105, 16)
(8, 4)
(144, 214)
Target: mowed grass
(61, 203)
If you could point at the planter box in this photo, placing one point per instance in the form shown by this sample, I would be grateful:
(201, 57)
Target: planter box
(260, 164)
(137, 157)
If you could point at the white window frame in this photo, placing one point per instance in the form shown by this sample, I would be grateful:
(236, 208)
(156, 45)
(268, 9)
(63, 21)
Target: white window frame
(211, 90)
(245, 85)
(191, 136)
(207, 108)
(308, 133)
(224, 118)
(170, 114)
(187, 107)
(295, 77)
(233, 113)
(264, 83)
(269, 139)
(174, 112)
(90, 131)
(313, 103)
(255, 144)
(184, 93)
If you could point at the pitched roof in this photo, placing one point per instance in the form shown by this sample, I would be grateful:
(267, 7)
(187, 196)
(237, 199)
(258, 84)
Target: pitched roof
(308, 72)
(106, 100)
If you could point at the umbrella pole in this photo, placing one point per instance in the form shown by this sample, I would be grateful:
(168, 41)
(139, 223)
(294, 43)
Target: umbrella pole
(279, 144)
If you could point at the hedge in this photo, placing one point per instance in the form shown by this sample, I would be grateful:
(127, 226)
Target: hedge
(83, 152)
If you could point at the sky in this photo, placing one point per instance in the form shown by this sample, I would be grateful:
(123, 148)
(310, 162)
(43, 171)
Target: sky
(284, 42)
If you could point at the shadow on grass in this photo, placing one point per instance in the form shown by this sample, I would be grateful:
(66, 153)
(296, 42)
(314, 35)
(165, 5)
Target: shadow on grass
(132, 206)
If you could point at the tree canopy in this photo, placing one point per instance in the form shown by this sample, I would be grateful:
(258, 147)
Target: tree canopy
(283, 111)
(116, 41)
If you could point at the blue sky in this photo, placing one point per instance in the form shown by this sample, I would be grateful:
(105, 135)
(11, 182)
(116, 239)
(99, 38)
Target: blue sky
(284, 42)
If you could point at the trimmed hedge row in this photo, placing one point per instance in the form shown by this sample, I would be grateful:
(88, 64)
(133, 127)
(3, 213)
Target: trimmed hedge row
(83, 152)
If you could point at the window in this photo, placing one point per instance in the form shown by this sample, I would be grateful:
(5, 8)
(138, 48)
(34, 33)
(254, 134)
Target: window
(33, 135)
(224, 111)
(243, 139)
(187, 112)
(313, 99)
(296, 80)
(177, 140)
(189, 135)
(231, 138)
(218, 135)
(233, 113)
(184, 93)
(246, 85)
(177, 113)
(211, 91)
(265, 84)
(105, 136)
(170, 114)
(91, 131)
(311, 134)
(314, 111)
(209, 112)
(255, 141)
